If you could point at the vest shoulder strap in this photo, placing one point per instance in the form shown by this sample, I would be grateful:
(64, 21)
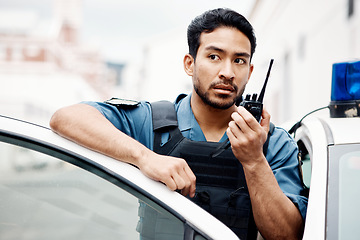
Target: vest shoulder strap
(164, 119)
(163, 115)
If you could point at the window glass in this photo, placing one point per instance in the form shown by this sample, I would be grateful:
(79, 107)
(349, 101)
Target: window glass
(306, 168)
(349, 195)
(42, 197)
(343, 192)
(305, 163)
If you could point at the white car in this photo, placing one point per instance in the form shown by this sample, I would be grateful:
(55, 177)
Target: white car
(329, 146)
(330, 150)
(52, 188)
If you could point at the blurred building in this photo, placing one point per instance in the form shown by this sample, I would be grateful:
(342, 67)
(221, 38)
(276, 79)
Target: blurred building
(44, 65)
(163, 70)
(305, 38)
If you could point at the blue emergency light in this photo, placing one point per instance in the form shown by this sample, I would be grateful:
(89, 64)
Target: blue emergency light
(345, 90)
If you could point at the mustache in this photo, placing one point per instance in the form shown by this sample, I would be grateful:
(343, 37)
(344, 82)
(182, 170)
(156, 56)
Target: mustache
(225, 82)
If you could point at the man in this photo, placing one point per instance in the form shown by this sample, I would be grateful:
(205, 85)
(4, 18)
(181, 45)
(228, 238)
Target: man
(221, 45)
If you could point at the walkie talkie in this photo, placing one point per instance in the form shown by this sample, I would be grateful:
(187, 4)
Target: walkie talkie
(253, 105)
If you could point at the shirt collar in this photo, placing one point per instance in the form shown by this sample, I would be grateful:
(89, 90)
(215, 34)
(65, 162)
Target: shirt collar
(188, 125)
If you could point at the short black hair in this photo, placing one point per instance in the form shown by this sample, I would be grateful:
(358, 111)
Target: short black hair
(213, 19)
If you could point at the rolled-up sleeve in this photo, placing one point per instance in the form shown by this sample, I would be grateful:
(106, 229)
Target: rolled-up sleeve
(135, 122)
(282, 156)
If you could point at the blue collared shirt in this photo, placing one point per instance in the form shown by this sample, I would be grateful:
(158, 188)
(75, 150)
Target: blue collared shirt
(281, 155)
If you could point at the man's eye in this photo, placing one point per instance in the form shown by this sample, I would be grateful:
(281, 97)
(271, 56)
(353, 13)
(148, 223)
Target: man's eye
(240, 61)
(213, 57)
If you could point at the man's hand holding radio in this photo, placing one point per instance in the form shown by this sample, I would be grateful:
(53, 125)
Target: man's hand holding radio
(247, 136)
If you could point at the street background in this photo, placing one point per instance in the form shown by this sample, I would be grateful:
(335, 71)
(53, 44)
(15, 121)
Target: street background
(59, 52)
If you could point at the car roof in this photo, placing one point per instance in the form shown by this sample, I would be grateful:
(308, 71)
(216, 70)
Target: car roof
(337, 130)
(193, 215)
(344, 130)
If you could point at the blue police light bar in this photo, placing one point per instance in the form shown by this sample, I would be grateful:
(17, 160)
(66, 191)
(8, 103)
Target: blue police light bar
(345, 90)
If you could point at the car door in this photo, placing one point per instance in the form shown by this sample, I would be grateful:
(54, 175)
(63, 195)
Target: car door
(48, 192)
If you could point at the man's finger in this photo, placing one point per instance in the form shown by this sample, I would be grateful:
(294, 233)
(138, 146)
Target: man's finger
(265, 121)
(179, 181)
(192, 181)
(170, 183)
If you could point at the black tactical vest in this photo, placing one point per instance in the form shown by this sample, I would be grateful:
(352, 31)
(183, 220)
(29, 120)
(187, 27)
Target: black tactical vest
(220, 182)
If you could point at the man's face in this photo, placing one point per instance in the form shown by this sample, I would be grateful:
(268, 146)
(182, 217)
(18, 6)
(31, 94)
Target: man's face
(222, 67)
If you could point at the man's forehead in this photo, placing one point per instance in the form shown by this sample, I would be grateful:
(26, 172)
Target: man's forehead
(224, 37)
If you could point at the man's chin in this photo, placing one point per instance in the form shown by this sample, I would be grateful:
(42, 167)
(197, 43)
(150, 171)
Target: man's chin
(221, 104)
(217, 101)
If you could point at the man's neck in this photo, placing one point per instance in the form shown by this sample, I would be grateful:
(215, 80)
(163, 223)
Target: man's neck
(212, 121)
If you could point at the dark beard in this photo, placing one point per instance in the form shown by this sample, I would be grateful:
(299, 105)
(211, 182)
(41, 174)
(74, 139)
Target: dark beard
(224, 105)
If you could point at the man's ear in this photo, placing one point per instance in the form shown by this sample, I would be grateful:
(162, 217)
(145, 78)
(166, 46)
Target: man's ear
(189, 64)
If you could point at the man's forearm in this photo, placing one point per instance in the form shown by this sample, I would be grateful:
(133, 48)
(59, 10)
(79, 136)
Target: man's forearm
(86, 126)
(275, 215)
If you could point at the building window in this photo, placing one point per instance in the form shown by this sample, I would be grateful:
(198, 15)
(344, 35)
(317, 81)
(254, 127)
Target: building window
(351, 8)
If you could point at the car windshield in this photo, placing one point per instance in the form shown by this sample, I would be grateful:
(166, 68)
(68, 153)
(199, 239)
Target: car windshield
(343, 196)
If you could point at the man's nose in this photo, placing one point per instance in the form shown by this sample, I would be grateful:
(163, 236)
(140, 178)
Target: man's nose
(227, 71)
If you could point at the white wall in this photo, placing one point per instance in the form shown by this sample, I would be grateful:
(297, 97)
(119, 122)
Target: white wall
(164, 73)
(305, 38)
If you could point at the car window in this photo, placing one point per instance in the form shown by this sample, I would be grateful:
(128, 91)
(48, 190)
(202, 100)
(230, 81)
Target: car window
(304, 156)
(43, 197)
(343, 195)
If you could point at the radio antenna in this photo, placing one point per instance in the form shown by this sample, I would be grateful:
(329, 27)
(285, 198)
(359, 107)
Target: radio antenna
(262, 93)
